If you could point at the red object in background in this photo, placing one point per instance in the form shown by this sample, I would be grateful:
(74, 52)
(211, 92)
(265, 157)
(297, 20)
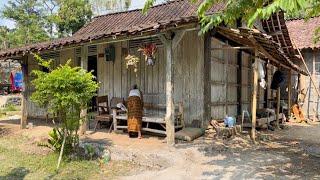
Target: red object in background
(12, 87)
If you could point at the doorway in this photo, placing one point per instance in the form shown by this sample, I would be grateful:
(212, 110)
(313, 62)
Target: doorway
(93, 66)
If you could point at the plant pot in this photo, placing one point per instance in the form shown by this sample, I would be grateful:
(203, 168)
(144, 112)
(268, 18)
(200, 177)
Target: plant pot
(150, 61)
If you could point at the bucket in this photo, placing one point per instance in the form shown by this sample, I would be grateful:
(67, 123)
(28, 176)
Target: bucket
(30, 125)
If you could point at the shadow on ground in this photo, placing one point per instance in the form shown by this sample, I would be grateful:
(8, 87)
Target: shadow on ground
(16, 173)
(279, 158)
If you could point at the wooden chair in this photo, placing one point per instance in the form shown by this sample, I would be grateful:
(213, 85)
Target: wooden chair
(103, 110)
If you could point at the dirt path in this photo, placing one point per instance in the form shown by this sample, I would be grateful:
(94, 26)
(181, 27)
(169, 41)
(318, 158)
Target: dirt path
(285, 157)
(289, 154)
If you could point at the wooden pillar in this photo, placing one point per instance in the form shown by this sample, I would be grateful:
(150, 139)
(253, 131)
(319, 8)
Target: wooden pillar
(206, 79)
(278, 109)
(24, 103)
(170, 41)
(169, 94)
(267, 90)
(24, 111)
(289, 92)
(239, 82)
(83, 114)
(254, 96)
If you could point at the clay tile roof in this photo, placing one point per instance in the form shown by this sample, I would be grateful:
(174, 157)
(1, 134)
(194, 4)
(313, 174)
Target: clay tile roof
(302, 32)
(159, 18)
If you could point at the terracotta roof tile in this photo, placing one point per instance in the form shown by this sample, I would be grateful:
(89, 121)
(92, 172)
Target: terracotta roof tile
(302, 32)
(160, 17)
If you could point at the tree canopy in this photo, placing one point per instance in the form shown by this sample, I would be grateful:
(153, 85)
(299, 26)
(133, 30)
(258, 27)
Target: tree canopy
(249, 11)
(28, 18)
(72, 15)
(41, 20)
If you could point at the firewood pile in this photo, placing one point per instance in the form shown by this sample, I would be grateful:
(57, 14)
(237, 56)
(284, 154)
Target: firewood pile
(220, 130)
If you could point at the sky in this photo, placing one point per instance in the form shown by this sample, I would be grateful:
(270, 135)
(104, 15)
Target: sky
(4, 22)
(135, 4)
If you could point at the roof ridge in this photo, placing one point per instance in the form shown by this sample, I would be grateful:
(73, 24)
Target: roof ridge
(138, 9)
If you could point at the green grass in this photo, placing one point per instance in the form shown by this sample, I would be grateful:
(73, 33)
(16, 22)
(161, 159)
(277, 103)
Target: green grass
(16, 164)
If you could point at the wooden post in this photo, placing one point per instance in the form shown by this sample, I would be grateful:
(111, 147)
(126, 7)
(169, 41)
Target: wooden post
(267, 90)
(278, 109)
(84, 65)
(84, 118)
(289, 92)
(254, 97)
(182, 114)
(169, 94)
(207, 77)
(24, 108)
(239, 81)
(114, 114)
(170, 41)
(24, 113)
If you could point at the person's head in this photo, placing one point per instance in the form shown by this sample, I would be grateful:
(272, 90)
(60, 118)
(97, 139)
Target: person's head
(135, 86)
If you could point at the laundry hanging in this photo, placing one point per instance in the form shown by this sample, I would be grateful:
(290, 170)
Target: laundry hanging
(18, 81)
(278, 80)
(262, 75)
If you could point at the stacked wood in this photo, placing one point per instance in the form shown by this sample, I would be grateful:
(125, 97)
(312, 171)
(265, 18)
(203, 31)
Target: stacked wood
(223, 131)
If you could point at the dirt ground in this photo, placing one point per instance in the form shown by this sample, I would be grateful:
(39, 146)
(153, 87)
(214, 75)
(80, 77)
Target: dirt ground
(291, 153)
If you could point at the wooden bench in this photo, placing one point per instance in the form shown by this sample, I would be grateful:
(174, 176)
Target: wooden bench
(151, 118)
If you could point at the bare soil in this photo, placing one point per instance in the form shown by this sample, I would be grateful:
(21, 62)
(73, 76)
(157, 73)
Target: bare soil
(291, 153)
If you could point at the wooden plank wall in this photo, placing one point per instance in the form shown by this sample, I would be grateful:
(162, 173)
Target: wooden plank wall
(116, 80)
(224, 67)
(311, 107)
(246, 84)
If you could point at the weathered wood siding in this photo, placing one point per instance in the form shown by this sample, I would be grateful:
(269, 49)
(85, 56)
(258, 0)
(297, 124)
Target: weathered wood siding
(116, 80)
(224, 68)
(311, 106)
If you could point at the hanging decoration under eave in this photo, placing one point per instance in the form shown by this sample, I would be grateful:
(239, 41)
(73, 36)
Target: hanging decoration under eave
(149, 51)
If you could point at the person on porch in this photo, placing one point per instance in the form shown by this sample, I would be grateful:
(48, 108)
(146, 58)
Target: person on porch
(135, 111)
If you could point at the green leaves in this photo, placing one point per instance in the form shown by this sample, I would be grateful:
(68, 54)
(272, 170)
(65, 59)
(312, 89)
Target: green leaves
(72, 15)
(63, 91)
(64, 88)
(147, 5)
(249, 11)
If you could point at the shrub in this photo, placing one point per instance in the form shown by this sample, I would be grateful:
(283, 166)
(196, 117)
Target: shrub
(64, 91)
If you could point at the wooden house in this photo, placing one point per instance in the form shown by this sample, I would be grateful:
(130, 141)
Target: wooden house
(213, 75)
(302, 33)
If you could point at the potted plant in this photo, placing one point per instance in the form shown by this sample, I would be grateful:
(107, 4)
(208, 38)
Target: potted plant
(132, 60)
(149, 51)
